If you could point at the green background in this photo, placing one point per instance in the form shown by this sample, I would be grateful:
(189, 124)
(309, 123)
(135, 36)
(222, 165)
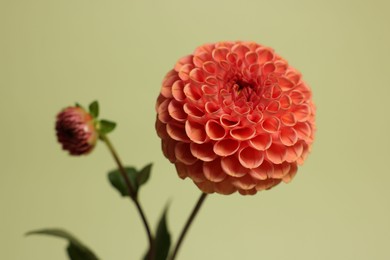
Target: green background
(54, 53)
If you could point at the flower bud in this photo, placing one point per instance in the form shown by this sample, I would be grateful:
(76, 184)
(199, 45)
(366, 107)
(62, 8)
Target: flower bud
(76, 130)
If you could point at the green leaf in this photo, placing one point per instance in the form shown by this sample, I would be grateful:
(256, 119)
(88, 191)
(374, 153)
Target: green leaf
(76, 250)
(78, 105)
(94, 109)
(144, 174)
(163, 238)
(116, 180)
(162, 242)
(136, 178)
(106, 126)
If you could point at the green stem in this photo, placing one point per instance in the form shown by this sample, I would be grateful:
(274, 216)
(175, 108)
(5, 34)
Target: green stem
(188, 224)
(132, 194)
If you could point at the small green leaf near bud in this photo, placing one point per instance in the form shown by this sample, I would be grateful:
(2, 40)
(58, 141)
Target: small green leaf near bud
(94, 109)
(105, 126)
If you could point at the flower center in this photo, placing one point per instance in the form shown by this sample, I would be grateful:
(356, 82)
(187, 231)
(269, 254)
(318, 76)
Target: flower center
(244, 89)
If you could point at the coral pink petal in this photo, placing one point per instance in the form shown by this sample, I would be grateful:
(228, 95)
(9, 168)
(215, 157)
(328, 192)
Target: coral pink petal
(288, 119)
(192, 92)
(161, 129)
(203, 152)
(175, 110)
(232, 166)
(205, 186)
(197, 75)
(243, 133)
(297, 97)
(294, 152)
(271, 124)
(177, 132)
(225, 187)
(261, 142)
(302, 112)
(183, 154)
(219, 54)
(267, 184)
(196, 132)
(183, 61)
(193, 111)
(250, 158)
(288, 136)
(276, 153)
(210, 67)
(212, 108)
(185, 71)
(168, 148)
(273, 107)
(251, 57)
(229, 121)
(285, 102)
(303, 130)
(226, 147)
(263, 172)
(214, 130)
(213, 171)
(245, 183)
(264, 55)
(162, 111)
(255, 117)
(290, 175)
(280, 170)
(177, 90)
(240, 50)
(268, 68)
(285, 84)
(195, 172)
(182, 170)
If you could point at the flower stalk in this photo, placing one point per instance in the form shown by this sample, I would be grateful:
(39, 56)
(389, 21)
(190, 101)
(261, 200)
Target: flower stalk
(188, 224)
(132, 194)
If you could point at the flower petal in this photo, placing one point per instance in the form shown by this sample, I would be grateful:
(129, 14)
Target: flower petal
(203, 151)
(213, 171)
(183, 154)
(195, 132)
(214, 130)
(242, 133)
(250, 158)
(276, 153)
(261, 142)
(232, 166)
(226, 147)
(288, 136)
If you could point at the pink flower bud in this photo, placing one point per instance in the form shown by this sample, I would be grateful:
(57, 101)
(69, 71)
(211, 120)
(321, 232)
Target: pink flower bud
(76, 131)
(235, 116)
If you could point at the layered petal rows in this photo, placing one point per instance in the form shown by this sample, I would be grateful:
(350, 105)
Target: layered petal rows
(234, 116)
(76, 131)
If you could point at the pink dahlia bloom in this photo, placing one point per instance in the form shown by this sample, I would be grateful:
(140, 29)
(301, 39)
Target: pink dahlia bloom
(234, 116)
(76, 131)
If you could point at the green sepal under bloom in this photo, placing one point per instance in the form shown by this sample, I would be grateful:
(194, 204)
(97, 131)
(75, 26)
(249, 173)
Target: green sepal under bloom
(137, 179)
(94, 109)
(162, 241)
(105, 127)
(75, 249)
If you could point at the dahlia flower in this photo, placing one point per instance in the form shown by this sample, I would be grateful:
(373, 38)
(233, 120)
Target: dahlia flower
(234, 116)
(76, 131)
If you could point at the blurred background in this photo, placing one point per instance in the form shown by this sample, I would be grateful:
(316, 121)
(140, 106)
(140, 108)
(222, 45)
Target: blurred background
(56, 53)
